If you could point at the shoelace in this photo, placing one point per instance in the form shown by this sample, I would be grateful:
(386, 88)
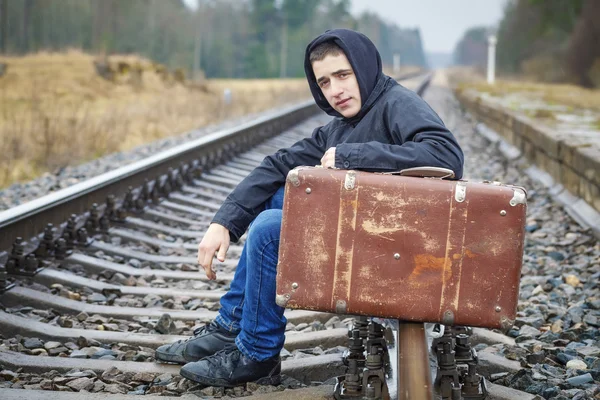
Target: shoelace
(198, 331)
(221, 356)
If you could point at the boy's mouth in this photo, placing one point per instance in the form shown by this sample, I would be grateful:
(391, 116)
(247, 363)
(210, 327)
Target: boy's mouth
(339, 103)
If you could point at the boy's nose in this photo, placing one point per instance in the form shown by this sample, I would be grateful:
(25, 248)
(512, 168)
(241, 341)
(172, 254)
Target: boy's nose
(336, 90)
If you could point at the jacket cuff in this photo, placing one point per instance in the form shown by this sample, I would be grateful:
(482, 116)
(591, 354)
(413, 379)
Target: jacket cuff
(232, 217)
(346, 155)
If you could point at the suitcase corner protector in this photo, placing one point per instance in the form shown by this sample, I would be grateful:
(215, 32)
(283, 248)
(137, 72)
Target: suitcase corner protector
(506, 323)
(293, 177)
(282, 299)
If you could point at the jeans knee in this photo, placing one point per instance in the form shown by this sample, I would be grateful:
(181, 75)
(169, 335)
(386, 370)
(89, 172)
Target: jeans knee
(267, 225)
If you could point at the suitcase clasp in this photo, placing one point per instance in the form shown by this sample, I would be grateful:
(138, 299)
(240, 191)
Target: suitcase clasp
(350, 179)
(282, 299)
(425, 172)
(519, 197)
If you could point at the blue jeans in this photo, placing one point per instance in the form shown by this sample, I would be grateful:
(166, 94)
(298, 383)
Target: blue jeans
(249, 308)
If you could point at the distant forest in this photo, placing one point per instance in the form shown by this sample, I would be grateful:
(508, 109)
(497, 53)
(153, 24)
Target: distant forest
(222, 38)
(548, 40)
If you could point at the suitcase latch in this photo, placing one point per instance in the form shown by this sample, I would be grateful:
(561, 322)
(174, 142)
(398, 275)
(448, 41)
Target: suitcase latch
(519, 197)
(461, 192)
(350, 180)
(293, 177)
(340, 307)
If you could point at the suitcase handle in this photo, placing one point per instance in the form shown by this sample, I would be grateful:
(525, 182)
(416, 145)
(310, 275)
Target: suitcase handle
(420, 172)
(424, 172)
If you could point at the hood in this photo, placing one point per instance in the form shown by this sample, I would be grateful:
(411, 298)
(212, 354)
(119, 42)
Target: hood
(365, 61)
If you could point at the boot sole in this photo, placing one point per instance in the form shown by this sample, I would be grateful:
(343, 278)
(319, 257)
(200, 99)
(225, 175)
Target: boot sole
(267, 380)
(183, 359)
(170, 358)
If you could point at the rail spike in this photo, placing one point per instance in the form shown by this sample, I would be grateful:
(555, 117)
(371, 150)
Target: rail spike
(45, 248)
(4, 282)
(21, 262)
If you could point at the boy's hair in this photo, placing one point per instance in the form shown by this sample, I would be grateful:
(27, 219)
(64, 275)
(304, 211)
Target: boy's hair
(323, 50)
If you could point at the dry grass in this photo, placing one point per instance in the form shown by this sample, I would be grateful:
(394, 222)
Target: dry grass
(572, 96)
(57, 111)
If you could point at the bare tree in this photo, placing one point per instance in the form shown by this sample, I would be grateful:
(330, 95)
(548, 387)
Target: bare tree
(3, 25)
(583, 46)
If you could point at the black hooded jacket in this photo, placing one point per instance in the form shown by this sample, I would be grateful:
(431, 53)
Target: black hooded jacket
(394, 129)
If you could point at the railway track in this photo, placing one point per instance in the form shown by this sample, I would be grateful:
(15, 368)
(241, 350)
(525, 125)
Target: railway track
(85, 303)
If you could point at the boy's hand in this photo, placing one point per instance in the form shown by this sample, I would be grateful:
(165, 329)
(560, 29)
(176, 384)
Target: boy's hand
(215, 240)
(328, 159)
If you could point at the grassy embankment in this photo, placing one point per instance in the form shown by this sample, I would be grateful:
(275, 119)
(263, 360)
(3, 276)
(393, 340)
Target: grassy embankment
(574, 98)
(56, 110)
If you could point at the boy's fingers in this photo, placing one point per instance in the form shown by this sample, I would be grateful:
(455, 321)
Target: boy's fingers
(222, 252)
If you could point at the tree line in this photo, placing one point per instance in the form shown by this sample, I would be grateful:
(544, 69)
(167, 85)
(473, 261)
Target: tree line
(552, 40)
(221, 38)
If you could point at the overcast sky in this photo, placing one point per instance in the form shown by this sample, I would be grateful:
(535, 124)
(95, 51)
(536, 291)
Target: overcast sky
(442, 22)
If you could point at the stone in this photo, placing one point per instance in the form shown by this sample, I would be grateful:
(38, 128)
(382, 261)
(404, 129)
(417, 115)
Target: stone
(8, 375)
(301, 326)
(290, 326)
(535, 322)
(535, 358)
(32, 343)
(114, 388)
(591, 320)
(96, 298)
(580, 380)
(333, 322)
(527, 330)
(144, 377)
(36, 386)
(589, 351)
(98, 386)
(52, 345)
(46, 384)
(576, 364)
(39, 352)
(165, 324)
(57, 350)
(110, 373)
(81, 384)
(572, 280)
(63, 380)
(557, 326)
(498, 376)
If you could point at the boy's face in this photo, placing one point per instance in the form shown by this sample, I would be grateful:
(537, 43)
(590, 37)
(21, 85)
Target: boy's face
(338, 83)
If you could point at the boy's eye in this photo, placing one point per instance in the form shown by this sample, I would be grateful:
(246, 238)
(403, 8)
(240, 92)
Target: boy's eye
(343, 75)
(323, 84)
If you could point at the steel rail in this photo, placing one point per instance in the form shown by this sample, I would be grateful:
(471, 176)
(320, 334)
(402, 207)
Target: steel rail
(410, 338)
(30, 219)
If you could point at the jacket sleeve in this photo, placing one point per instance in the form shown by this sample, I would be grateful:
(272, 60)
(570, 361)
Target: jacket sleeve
(419, 138)
(247, 200)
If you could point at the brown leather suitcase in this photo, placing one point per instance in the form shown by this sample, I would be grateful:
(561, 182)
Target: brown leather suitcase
(409, 248)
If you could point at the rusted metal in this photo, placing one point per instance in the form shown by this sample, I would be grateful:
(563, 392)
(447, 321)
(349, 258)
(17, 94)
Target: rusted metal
(125, 252)
(365, 377)
(30, 219)
(200, 191)
(21, 296)
(318, 368)
(458, 258)
(14, 325)
(414, 380)
(49, 276)
(194, 201)
(97, 265)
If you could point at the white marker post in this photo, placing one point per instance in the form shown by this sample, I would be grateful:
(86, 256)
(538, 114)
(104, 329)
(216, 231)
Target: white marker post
(227, 99)
(491, 69)
(396, 64)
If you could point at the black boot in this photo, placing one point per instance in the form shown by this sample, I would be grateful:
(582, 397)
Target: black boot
(229, 368)
(207, 340)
